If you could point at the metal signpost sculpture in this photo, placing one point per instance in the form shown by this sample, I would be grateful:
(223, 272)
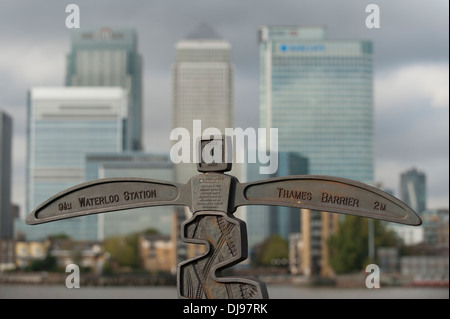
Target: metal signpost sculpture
(213, 197)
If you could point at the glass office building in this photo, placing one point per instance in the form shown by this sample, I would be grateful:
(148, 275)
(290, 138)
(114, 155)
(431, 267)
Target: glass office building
(202, 86)
(65, 123)
(109, 57)
(132, 164)
(318, 92)
(413, 189)
(265, 221)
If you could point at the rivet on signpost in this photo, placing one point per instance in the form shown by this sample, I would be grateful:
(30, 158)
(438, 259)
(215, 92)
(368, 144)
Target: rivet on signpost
(213, 197)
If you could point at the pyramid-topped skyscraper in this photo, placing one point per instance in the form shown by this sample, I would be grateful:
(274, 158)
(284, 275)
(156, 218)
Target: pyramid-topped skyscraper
(202, 86)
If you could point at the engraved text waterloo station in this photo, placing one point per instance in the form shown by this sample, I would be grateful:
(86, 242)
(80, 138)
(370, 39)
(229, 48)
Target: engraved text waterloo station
(110, 199)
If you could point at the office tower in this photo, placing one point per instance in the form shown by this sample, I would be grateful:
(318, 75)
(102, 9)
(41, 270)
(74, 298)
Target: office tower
(6, 131)
(318, 93)
(109, 57)
(202, 87)
(286, 220)
(65, 123)
(412, 193)
(132, 164)
(413, 189)
(265, 221)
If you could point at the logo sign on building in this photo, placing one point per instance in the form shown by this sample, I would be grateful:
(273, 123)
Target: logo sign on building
(302, 47)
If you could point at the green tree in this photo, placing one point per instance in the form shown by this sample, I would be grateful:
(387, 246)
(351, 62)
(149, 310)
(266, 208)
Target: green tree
(150, 231)
(273, 248)
(47, 264)
(58, 236)
(124, 250)
(349, 251)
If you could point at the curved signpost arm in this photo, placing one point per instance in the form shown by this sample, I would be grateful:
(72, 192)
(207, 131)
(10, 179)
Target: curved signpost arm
(326, 193)
(107, 195)
(212, 197)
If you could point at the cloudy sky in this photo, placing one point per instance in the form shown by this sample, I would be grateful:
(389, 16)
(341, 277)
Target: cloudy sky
(410, 63)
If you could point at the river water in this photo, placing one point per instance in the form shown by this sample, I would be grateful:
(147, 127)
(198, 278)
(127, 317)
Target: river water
(170, 292)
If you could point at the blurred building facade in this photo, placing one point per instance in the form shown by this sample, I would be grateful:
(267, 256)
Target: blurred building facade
(202, 91)
(410, 235)
(27, 251)
(7, 254)
(314, 255)
(413, 193)
(156, 166)
(6, 132)
(264, 221)
(157, 253)
(109, 57)
(65, 123)
(426, 270)
(413, 189)
(85, 254)
(318, 92)
(436, 227)
(203, 88)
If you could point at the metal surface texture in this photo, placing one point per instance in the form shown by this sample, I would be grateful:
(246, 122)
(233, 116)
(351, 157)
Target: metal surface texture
(225, 238)
(213, 197)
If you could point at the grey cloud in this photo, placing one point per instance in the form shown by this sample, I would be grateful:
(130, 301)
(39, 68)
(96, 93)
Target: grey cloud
(412, 32)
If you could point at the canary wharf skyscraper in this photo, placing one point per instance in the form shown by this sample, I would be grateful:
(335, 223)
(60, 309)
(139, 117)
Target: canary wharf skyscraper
(109, 57)
(64, 124)
(202, 86)
(318, 93)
